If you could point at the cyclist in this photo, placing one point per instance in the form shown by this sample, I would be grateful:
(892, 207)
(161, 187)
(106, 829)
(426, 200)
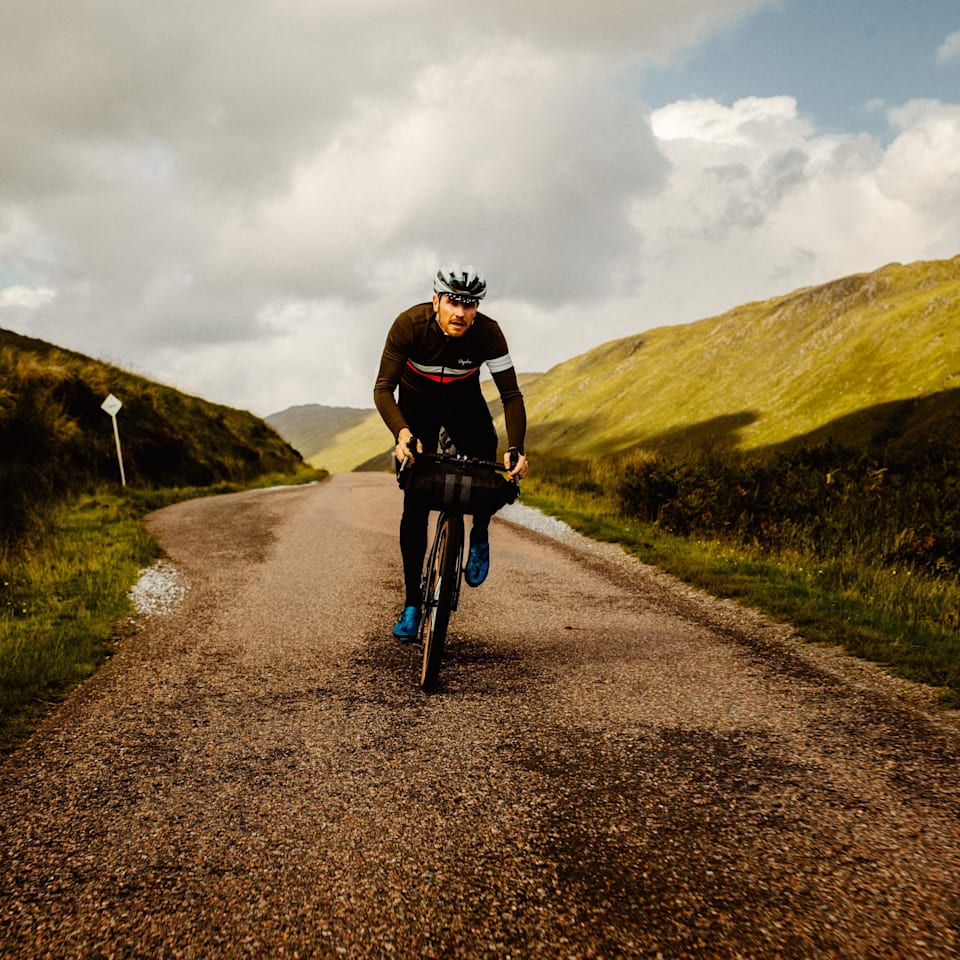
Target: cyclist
(433, 353)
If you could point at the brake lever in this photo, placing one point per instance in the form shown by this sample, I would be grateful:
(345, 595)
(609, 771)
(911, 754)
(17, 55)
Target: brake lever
(407, 462)
(412, 444)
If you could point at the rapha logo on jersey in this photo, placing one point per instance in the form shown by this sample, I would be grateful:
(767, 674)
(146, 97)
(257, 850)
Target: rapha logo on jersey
(465, 363)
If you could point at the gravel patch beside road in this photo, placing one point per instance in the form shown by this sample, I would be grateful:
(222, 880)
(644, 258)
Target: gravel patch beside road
(614, 766)
(158, 589)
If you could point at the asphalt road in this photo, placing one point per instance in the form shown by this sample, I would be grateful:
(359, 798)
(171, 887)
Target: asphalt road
(614, 766)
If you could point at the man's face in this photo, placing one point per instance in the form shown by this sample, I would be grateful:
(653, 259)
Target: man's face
(454, 316)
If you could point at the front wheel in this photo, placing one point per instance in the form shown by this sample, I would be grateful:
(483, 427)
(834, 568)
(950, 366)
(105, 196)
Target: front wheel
(440, 590)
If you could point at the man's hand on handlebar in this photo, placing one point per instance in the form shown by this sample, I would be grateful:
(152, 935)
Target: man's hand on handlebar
(403, 451)
(516, 463)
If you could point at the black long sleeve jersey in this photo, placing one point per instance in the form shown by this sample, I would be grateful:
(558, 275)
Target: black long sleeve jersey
(420, 357)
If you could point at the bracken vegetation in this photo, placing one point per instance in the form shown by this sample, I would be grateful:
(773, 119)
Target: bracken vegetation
(822, 501)
(57, 441)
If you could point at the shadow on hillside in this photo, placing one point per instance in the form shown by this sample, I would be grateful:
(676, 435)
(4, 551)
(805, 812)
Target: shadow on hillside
(376, 464)
(566, 439)
(900, 427)
(717, 433)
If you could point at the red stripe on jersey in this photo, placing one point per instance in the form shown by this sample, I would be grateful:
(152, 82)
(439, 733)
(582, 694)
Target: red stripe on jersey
(451, 377)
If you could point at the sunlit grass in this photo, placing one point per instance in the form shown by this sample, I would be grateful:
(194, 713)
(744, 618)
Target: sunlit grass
(61, 604)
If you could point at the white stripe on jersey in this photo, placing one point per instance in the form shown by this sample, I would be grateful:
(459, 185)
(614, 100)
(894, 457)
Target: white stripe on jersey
(433, 371)
(499, 364)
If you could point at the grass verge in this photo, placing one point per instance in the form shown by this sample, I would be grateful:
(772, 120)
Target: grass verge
(899, 619)
(64, 601)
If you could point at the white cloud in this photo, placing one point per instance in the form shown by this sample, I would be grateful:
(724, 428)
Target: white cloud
(758, 204)
(754, 203)
(949, 50)
(922, 165)
(769, 120)
(533, 186)
(152, 139)
(27, 297)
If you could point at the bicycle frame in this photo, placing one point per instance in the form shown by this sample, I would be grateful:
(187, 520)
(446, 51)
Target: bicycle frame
(443, 573)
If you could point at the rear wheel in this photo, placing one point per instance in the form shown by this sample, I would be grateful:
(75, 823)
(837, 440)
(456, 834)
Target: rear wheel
(440, 591)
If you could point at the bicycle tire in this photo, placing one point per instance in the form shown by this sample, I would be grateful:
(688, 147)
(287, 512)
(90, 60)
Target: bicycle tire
(441, 582)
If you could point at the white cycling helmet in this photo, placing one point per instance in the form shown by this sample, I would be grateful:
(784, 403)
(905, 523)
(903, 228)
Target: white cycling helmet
(460, 281)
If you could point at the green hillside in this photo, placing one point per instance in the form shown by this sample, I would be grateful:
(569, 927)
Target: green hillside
(56, 440)
(869, 358)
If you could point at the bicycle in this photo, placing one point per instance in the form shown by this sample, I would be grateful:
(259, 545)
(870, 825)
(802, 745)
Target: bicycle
(456, 485)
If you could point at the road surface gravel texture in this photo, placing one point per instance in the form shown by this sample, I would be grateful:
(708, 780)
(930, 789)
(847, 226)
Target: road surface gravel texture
(614, 766)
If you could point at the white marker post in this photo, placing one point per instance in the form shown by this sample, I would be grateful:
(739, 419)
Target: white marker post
(112, 406)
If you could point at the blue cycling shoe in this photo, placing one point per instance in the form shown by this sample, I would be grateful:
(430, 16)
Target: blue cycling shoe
(406, 628)
(478, 564)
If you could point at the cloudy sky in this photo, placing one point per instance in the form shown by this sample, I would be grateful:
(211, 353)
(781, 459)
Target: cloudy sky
(236, 197)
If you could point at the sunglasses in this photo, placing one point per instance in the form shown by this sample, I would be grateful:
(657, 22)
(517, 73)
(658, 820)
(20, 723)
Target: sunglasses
(457, 300)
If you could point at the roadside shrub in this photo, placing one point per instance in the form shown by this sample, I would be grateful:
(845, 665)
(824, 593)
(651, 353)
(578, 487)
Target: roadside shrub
(35, 433)
(821, 500)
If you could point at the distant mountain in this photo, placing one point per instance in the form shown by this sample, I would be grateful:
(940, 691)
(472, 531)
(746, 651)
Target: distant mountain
(313, 427)
(868, 359)
(340, 438)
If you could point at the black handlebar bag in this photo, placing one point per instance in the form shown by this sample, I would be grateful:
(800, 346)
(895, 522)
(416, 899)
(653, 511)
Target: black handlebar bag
(451, 485)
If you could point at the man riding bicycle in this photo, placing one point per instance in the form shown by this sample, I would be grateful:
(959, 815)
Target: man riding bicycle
(433, 353)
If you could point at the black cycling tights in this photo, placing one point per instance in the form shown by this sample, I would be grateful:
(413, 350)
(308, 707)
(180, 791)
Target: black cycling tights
(471, 429)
